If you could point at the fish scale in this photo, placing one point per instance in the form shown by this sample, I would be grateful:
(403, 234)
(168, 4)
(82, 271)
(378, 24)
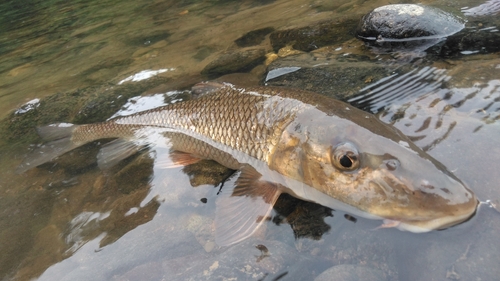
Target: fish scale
(242, 121)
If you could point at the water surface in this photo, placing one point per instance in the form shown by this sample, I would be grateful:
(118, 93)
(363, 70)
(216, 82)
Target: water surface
(68, 220)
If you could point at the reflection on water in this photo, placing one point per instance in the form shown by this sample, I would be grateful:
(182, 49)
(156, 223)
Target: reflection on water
(490, 7)
(68, 220)
(391, 90)
(436, 115)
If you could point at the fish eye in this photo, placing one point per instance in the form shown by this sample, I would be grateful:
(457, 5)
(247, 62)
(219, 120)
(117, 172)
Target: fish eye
(345, 157)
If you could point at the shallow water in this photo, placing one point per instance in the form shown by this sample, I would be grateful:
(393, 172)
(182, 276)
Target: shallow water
(70, 221)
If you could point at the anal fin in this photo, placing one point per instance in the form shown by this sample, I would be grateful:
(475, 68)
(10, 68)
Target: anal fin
(244, 206)
(175, 159)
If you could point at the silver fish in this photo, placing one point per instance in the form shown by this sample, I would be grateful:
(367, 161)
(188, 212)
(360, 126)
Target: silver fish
(283, 141)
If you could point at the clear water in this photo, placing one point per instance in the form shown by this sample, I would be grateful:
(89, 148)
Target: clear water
(80, 223)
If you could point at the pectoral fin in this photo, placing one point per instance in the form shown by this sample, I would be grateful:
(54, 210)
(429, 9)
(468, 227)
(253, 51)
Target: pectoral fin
(243, 205)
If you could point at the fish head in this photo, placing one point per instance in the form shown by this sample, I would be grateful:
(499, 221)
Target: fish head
(374, 168)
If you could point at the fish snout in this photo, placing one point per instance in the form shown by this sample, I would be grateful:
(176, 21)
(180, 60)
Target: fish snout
(421, 204)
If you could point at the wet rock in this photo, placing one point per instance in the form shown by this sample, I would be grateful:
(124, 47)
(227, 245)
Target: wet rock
(254, 37)
(418, 28)
(325, 72)
(313, 37)
(235, 61)
(349, 272)
(401, 22)
(467, 43)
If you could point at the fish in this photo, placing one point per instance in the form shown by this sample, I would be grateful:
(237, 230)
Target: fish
(281, 140)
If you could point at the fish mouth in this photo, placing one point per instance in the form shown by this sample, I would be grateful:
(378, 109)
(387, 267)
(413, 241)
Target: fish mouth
(413, 209)
(429, 225)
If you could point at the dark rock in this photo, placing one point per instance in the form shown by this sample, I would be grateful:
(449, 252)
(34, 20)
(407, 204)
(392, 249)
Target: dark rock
(313, 37)
(407, 27)
(235, 61)
(254, 37)
(465, 43)
(407, 22)
(349, 272)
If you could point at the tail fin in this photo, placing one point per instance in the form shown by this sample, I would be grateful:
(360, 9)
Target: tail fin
(58, 138)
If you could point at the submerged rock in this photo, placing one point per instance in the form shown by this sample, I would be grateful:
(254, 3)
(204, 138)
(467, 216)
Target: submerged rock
(312, 37)
(235, 61)
(325, 72)
(254, 37)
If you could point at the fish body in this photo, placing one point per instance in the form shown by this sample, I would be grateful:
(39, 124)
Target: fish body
(282, 140)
